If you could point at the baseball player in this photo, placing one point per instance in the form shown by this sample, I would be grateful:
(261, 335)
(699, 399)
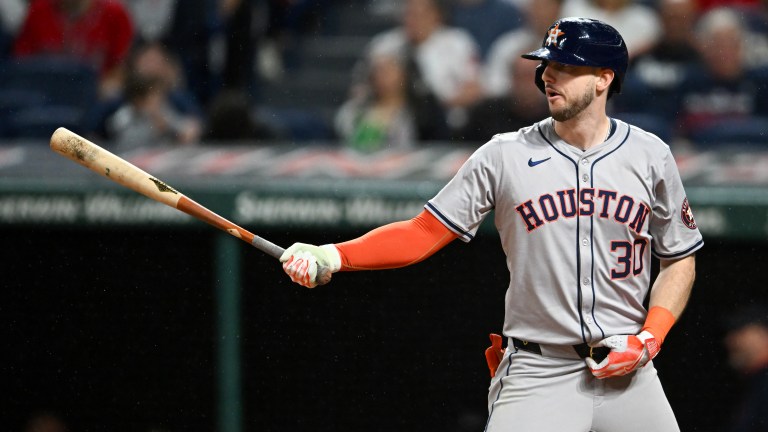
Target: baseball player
(582, 201)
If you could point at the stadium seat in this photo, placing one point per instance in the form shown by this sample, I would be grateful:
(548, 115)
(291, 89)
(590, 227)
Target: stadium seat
(11, 102)
(746, 132)
(36, 87)
(39, 122)
(658, 125)
(297, 124)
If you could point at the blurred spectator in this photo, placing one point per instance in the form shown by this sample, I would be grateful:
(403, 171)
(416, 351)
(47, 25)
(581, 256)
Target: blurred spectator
(287, 21)
(440, 59)
(486, 20)
(522, 105)
(98, 32)
(746, 340)
(230, 118)
(12, 14)
(756, 18)
(241, 43)
(153, 18)
(151, 60)
(218, 43)
(45, 422)
(707, 5)
(538, 17)
(389, 9)
(215, 41)
(381, 118)
(678, 19)
(191, 33)
(147, 118)
(653, 80)
(723, 101)
(637, 22)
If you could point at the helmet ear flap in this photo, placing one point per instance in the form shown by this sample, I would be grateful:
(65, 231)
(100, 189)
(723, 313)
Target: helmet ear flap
(539, 74)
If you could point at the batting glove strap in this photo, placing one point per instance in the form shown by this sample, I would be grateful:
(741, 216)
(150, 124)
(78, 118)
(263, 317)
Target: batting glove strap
(652, 345)
(628, 353)
(334, 258)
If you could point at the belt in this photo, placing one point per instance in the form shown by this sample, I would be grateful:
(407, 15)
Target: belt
(581, 350)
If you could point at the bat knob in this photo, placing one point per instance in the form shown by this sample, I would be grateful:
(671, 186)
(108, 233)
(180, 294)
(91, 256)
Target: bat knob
(323, 275)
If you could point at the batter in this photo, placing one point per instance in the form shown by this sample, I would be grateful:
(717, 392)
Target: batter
(581, 202)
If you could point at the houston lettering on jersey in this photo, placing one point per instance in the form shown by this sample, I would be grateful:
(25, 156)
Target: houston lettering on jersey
(599, 202)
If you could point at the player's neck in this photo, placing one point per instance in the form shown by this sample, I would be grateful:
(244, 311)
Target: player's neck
(584, 132)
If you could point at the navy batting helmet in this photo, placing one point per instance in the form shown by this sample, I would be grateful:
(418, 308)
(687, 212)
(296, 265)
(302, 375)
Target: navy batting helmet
(583, 42)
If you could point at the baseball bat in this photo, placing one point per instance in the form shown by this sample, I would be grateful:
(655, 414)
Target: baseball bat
(119, 170)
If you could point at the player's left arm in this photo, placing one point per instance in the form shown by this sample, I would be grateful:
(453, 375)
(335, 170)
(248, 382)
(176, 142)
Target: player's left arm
(675, 240)
(669, 296)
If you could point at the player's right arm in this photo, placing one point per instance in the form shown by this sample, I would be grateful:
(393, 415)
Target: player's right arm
(398, 244)
(455, 212)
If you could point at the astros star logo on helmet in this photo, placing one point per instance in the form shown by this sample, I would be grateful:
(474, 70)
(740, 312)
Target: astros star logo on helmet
(554, 33)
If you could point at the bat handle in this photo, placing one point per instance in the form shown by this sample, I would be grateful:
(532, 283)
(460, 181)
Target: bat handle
(275, 251)
(267, 247)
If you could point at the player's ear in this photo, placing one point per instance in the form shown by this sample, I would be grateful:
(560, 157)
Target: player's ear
(605, 77)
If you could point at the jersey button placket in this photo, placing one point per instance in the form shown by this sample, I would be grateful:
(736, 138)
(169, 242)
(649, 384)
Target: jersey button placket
(588, 298)
(586, 290)
(584, 170)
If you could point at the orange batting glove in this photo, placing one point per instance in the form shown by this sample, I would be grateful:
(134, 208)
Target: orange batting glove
(628, 352)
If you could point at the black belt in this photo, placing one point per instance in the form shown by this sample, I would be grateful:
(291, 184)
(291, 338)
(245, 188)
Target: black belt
(582, 350)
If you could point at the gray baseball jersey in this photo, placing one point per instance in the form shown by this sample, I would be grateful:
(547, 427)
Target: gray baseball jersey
(578, 227)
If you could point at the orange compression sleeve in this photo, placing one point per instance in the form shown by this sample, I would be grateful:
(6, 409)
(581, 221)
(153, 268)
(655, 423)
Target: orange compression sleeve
(658, 322)
(398, 244)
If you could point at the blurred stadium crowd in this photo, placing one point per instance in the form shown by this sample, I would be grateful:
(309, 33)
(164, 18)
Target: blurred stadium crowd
(367, 74)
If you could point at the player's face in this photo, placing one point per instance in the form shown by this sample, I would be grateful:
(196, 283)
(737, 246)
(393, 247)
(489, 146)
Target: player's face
(569, 89)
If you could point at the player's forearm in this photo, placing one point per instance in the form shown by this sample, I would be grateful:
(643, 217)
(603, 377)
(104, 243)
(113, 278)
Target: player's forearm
(672, 287)
(398, 244)
(669, 295)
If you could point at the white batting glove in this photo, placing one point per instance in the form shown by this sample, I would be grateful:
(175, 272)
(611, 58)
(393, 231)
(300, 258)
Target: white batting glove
(628, 352)
(301, 262)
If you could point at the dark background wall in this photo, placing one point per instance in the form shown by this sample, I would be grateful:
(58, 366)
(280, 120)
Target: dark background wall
(115, 329)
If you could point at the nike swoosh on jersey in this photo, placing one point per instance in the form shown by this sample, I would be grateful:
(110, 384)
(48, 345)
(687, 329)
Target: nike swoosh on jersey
(533, 163)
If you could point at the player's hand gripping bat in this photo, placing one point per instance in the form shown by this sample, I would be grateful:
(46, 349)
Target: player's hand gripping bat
(111, 166)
